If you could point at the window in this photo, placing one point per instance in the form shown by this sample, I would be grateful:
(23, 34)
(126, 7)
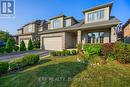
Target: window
(96, 37)
(39, 28)
(67, 22)
(96, 15)
(56, 23)
(20, 32)
(30, 28)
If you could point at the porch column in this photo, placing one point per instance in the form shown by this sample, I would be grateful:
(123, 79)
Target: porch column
(113, 35)
(79, 36)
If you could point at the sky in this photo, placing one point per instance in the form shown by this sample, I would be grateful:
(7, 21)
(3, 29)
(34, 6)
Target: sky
(30, 10)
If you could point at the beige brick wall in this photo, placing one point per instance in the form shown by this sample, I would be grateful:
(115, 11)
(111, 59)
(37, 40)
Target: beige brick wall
(127, 31)
(25, 29)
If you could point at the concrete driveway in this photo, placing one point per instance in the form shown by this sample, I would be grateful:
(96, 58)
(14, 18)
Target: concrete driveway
(11, 56)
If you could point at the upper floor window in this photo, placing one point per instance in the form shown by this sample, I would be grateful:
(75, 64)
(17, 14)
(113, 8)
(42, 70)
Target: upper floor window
(20, 32)
(96, 15)
(56, 23)
(67, 22)
(30, 28)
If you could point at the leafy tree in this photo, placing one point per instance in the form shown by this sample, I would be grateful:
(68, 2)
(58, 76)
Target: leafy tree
(36, 43)
(30, 45)
(22, 46)
(16, 48)
(8, 46)
(4, 36)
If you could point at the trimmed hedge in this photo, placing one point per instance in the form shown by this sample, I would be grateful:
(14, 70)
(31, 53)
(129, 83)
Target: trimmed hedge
(4, 67)
(25, 61)
(63, 53)
(31, 59)
(16, 64)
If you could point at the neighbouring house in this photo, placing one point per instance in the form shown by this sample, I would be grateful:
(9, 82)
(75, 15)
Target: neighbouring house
(31, 30)
(126, 31)
(16, 38)
(98, 26)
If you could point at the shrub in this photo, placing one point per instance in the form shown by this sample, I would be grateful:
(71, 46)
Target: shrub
(31, 59)
(16, 48)
(3, 67)
(92, 49)
(30, 45)
(73, 52)
(8, 46)
(2, 49)
(63, 53)
(122, 52)
(108, 49)
(79, 47)
(22, 46)
(53, 53)
(36, 43)
(67, 52)
(16, 64)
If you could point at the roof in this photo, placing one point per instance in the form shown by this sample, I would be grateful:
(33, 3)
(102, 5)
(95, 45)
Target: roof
(111, 22)
(128, 22)
(71, 18)
(82, 26)
(99, 7)
(57, 16)
(34, 22)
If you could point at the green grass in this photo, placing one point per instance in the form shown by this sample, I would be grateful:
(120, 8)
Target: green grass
(67, 72)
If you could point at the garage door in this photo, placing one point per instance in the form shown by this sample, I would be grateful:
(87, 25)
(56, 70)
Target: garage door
(52, 43)
(26, 43)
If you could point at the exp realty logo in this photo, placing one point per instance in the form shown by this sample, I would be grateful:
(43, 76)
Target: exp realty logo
(7, 8)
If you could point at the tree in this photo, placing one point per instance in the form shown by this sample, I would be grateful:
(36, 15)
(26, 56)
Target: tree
(36, 43)
(16, 48)
(30, 45)
(4, 36)
(8, 46)
(22, 46)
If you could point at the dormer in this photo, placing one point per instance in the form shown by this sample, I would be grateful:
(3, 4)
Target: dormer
(98, 13)
(61, 21)
(20, 31)
(33, 27)
(69, 21)
(56, 22)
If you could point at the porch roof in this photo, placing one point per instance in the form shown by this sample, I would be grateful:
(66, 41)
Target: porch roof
(82, 26)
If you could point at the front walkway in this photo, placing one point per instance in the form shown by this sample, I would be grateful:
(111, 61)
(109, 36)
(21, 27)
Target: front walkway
(11, 56)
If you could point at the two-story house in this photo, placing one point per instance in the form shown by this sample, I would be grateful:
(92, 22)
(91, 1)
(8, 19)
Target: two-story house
(98, 26)
(31, 30)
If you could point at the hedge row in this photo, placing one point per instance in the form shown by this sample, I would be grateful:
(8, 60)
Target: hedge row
(19, 63)
(119, 51)
(64, 53)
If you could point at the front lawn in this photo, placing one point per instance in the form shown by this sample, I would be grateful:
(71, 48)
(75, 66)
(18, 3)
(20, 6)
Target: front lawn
(67, 72)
